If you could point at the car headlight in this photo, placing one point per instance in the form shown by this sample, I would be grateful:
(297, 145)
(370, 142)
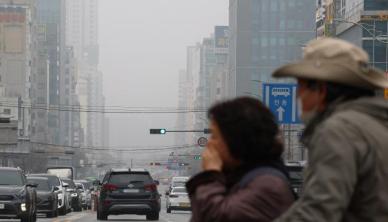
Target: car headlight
(74, 195)
(23, 207)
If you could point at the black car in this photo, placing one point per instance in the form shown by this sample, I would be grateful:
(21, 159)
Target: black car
(17, 197)
(47, 199)
(75, 194)
(63, 200)
(128, 191)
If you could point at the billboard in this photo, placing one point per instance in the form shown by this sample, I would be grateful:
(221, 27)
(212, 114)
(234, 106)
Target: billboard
(221, 36)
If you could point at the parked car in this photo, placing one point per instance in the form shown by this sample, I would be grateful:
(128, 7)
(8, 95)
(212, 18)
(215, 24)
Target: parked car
(63, 198)
(17, 196)
(128, 191)
(178, 199)
(75, 195)
(87, 194)
(47, 199)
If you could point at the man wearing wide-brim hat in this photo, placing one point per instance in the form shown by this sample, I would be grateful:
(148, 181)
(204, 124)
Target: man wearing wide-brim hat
(346, 134)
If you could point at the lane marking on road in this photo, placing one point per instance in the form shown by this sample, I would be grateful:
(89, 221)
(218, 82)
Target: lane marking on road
(72, 218)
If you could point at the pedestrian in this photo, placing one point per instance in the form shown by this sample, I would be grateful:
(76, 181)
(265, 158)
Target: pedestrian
(244, 177)
(346, 134)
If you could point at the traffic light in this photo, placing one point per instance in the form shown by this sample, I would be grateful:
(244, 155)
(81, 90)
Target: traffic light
(197, 157)
(158, 131)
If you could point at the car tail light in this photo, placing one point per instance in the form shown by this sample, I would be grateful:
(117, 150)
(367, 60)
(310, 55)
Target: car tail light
(110, 187)
(150, 187)
(173, 196)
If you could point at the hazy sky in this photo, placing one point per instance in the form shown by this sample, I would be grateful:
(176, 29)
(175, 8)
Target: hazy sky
(142, 47)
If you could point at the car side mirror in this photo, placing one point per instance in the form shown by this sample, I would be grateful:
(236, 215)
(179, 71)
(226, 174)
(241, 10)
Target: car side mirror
(156, 182)
(56, 188)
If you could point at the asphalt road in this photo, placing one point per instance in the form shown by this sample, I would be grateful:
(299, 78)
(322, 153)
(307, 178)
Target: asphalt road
(90, 216)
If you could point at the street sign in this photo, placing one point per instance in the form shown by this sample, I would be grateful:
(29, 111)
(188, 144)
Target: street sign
(202, 142)
(197, 157)
(281, 100)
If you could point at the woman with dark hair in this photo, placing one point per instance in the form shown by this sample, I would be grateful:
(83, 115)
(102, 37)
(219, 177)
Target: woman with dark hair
(244, 177)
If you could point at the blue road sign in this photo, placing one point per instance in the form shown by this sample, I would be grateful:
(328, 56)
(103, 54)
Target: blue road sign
(281, 100)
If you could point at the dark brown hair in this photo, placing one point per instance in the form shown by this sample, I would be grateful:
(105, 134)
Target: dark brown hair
(249, 130)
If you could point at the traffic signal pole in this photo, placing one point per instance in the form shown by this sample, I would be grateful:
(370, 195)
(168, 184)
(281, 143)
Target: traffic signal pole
(164, 131)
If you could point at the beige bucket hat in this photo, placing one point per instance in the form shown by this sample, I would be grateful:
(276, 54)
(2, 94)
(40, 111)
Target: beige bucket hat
(335, 60)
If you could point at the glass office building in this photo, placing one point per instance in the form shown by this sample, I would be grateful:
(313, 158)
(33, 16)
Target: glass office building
(265, 34)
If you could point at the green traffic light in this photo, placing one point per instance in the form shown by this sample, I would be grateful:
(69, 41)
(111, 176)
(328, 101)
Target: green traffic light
(162, 131)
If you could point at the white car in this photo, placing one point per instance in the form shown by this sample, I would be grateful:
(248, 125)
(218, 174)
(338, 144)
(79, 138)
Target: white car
(178, 199)
(177, 182)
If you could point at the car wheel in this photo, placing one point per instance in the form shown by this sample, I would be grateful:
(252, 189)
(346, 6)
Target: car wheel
(153, 216)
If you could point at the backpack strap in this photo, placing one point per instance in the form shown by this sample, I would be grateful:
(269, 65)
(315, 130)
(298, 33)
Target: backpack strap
(267, 170)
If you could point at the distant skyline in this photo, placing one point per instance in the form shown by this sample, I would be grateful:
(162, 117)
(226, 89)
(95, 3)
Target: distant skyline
(142, 48)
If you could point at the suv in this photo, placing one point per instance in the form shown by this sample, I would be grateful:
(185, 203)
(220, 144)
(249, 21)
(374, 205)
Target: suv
(128, 191)
(63, 200)
(17, 197)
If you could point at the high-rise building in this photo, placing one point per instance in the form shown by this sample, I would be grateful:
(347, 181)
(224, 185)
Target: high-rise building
(16, 56)
(51, 26)
(17, 68)
(82, 35)
(265, 34)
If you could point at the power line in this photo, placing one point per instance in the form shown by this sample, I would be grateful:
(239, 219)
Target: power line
(104, 111)
(102, 107)
(163, 148)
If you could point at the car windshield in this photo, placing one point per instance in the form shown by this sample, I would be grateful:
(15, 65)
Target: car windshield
(43, 185)
(53, 180)
(129, 178)
(10, 178)
(179, 190)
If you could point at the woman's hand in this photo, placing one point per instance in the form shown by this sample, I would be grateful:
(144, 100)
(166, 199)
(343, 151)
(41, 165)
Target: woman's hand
(211, 159)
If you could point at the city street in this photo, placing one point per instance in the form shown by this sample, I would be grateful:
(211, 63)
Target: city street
(90, 216)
